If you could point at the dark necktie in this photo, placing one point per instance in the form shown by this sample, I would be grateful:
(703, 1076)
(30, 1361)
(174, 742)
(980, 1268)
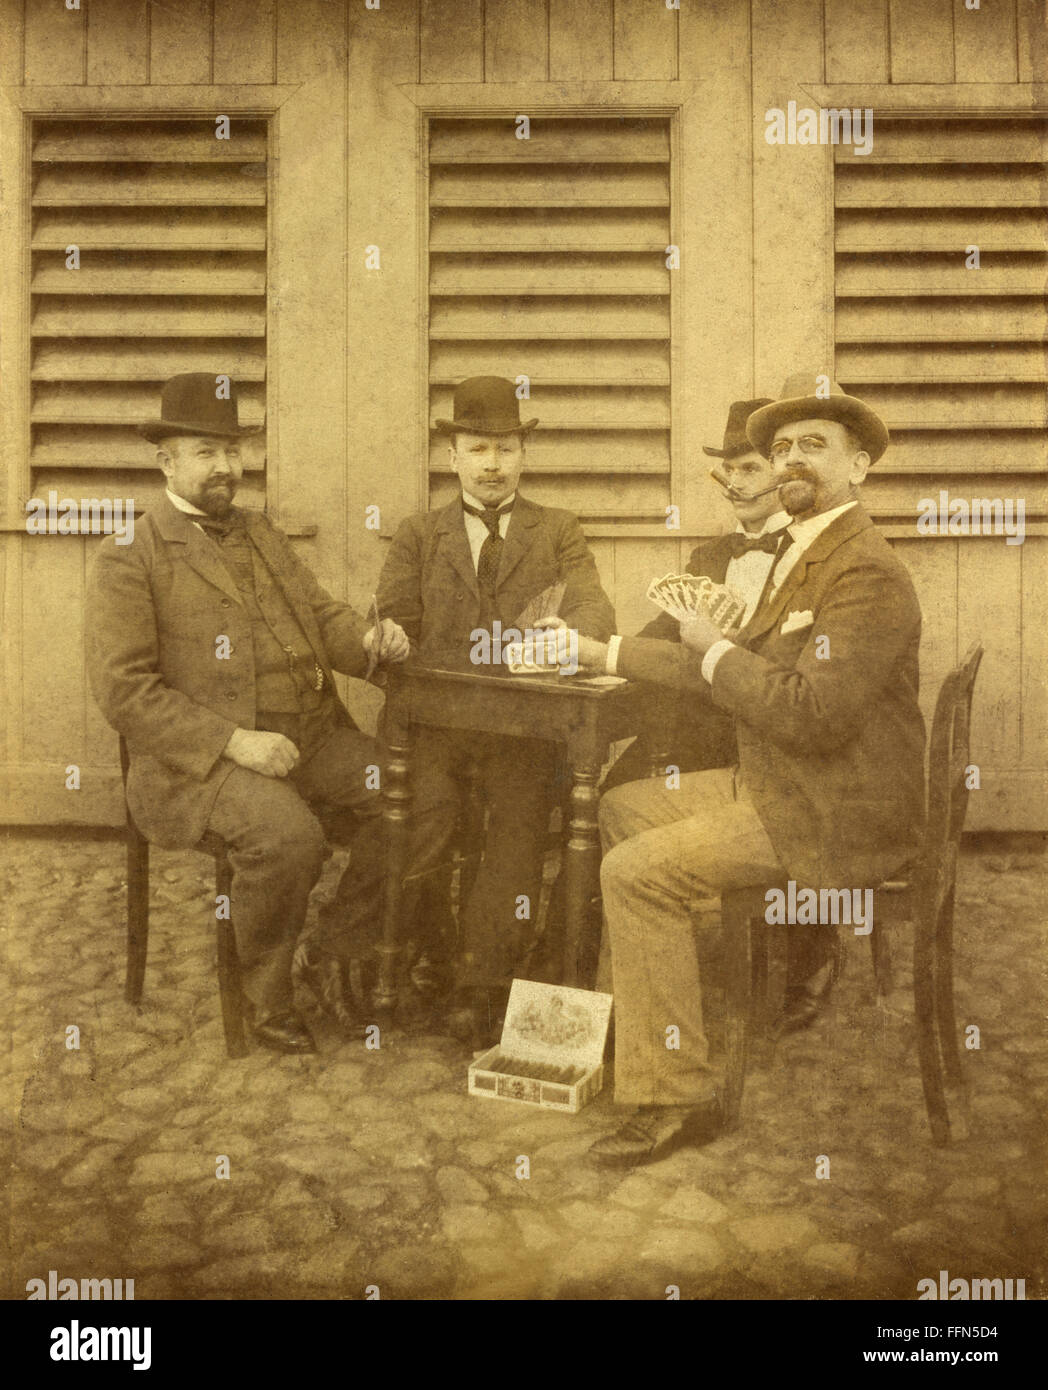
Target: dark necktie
(491, 550)
(742, 544)
(218, 528)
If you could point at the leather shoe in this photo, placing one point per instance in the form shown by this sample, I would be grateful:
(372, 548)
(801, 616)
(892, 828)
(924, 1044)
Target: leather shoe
(285, 1033)
(325, 975)
(804, 1003)
(654, 1130)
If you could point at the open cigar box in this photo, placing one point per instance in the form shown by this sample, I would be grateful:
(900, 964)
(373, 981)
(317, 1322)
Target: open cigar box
(551, 1051)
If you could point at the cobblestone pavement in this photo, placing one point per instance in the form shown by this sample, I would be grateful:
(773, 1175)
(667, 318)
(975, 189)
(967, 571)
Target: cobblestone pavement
(357, 1168)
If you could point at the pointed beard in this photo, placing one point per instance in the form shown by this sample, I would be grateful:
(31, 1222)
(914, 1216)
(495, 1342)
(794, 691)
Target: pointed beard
(798, 495)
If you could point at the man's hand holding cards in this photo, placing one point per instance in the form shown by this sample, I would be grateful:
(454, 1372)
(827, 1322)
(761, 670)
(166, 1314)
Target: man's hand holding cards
(686, 596)
(550, 646)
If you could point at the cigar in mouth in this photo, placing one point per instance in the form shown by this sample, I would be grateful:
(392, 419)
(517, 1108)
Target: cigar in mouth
(733, 493)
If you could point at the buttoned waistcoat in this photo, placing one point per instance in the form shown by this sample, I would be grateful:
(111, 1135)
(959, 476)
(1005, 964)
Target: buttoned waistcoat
(155, 611)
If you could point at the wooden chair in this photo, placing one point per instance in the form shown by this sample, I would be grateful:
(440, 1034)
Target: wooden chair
(926, 898)
(229, 989)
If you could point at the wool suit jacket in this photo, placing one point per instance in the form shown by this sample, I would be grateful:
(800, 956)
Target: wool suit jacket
(831, 747)
(154, 610)
(429, 581)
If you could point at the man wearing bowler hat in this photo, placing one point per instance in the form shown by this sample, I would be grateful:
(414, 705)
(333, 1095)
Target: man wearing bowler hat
(211, 649)
(450, 574)
(702, 737)
(829, 787)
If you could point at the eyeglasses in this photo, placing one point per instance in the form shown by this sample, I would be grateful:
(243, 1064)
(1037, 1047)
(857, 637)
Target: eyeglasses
(810, 445)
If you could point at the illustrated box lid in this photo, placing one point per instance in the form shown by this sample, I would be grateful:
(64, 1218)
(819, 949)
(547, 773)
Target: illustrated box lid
(552, 1023)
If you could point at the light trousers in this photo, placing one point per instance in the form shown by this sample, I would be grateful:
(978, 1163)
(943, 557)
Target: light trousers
(664, 848)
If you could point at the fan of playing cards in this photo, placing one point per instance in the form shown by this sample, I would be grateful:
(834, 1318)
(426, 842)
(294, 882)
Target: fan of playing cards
(687, 595)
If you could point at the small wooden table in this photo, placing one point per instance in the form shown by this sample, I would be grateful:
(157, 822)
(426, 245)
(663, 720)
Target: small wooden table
(583, 714)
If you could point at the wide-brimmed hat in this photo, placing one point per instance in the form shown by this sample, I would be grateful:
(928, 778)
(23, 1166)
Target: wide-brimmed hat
(800, 399)
(735, 440)
(486, 405)
(189, 405)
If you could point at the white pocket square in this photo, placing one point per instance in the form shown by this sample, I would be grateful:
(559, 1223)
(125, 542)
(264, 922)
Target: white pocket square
(796, 621)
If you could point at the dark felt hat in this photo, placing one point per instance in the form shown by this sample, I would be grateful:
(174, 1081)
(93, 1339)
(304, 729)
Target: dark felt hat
(735, 440)
(486, 405)
(802, 399)
(189, 404)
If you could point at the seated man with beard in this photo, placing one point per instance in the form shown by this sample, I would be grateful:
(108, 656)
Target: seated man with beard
(829, 787)
(211, 648)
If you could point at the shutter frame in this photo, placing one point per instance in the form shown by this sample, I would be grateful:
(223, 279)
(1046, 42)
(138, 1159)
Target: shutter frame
(575, 294)
(156, 296)
(974, 406)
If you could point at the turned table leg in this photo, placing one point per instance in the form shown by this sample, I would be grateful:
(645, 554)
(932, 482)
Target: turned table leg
(581, 868)
(396, 811)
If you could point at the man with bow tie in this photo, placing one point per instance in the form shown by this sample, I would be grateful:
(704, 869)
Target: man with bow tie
(211, 649)
(697, 739)
(829, 788)
(451, 573)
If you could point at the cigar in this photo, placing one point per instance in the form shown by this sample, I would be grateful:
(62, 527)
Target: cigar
(735, 495)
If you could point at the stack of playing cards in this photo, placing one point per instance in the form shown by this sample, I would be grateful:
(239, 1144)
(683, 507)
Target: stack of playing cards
(685, 596)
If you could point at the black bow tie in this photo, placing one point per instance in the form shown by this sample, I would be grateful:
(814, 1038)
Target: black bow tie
(219, 527)
(742, 544)
(488, 515)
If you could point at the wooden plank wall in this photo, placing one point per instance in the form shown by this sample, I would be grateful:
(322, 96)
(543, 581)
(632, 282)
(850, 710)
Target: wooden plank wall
(761, 320)
(52, 720)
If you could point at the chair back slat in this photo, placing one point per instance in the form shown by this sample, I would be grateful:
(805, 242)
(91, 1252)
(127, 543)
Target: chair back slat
(948, 761)
(137, 839)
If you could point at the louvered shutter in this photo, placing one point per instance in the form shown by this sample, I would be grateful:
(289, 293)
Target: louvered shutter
(547, 259)
(171, 227)
(953, 358)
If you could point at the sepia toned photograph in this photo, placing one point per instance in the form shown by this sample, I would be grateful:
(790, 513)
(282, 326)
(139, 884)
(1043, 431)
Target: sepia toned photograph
(525, 682)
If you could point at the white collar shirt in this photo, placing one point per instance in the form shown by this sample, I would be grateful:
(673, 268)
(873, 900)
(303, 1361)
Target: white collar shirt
(747, 574)
(804, 533)
(476, 531)
(180, 504)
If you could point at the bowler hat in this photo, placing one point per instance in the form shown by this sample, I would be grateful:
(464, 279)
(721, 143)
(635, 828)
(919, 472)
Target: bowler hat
(735, 441)
(802, 399)
(190, 404)
(486, 405)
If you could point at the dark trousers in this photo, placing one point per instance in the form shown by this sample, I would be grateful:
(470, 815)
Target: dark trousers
(277, 830)
(692, 739)
(515, 780)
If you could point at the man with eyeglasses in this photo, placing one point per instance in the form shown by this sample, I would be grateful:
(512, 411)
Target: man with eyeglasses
(829, 789)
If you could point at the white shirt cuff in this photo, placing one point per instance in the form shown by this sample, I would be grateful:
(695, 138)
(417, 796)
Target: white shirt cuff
(612, 660)
(713, 655)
